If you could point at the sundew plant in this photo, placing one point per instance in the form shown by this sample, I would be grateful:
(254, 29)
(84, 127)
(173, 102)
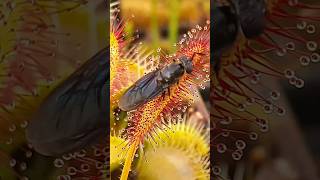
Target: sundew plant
(161, 123)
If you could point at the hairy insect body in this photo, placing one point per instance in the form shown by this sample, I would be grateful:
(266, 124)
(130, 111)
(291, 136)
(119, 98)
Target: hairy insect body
(172, 73)
(154, 83)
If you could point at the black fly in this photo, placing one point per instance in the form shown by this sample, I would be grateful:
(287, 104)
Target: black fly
(154, 83)
(246, 16)
(74, 114)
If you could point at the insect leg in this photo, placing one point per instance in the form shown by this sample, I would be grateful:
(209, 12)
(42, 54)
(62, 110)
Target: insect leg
(163, 95)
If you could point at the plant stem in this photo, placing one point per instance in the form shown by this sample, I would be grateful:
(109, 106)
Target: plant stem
(173, 23)
(127, 164)
(154, 24)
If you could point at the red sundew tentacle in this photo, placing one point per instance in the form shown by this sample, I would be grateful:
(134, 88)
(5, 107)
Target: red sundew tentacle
(266, 73)
(282, 33)
(118, 30)
(62, 10)
(237, 82)
(226, 85)
(229, 101)
(39, 66)
(26, 45)
(257, 60)
(89, 163)
(222, 109)
(283, 14)
(266, 43)
(277, 73)
(235, 116)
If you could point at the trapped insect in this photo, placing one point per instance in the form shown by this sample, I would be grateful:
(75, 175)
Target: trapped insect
(245, 16)
(154, 83)
(74, 114)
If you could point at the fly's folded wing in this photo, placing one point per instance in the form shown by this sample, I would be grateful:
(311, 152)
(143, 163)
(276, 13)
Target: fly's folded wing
(145, 89)
(75, 114)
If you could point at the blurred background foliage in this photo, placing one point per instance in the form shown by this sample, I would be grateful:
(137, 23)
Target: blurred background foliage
(161, 23)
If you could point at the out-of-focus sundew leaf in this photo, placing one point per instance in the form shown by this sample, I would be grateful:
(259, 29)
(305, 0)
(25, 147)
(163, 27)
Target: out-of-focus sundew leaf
(129, 29)
(6, 173)
(31, 60)
(180, 152)
(117, 154)
(173, 163)
(183, 135)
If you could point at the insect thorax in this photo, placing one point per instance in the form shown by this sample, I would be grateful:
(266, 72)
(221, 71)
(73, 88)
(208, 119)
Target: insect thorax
(171, 73)
(187, 64)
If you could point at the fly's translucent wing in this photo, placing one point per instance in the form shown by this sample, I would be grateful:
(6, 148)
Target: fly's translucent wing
(75, 113)
(141, 92)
